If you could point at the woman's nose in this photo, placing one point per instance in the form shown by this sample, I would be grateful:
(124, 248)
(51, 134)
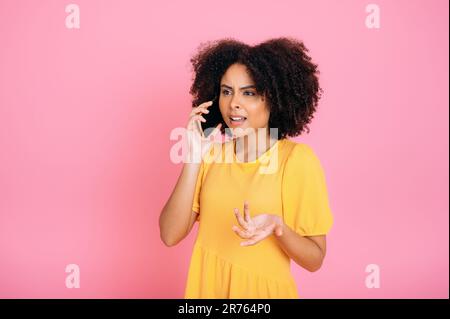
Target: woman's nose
(235, 102)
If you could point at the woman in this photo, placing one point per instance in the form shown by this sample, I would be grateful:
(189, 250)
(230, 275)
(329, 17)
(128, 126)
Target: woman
(252, 220)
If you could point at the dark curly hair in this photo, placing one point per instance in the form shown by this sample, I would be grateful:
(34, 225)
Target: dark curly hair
(281, 69)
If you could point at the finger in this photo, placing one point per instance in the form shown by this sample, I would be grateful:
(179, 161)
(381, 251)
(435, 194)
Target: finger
(241, 233)
(199, 111)
(205, 104)
(246, 212)
(198, 117)
(193, 116)
(239, 218)
(278, 231)
(254, 240)
(202, 108)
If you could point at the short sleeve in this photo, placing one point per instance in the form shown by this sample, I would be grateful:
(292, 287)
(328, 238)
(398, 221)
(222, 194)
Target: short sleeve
(198, 186)
(306, 207)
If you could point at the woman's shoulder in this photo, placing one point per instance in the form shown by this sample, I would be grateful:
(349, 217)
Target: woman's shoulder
(299, 152)
(302, 161)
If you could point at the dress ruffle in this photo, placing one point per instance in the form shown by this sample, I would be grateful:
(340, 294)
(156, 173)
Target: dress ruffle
(211, 276)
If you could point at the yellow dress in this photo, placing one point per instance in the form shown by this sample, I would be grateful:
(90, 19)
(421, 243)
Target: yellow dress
(287, 180)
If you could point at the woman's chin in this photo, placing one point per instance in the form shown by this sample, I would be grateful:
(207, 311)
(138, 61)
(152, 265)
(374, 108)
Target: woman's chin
(241, 132)
(237, 132)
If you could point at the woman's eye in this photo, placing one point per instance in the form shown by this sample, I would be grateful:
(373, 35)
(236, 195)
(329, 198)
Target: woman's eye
(247, 93)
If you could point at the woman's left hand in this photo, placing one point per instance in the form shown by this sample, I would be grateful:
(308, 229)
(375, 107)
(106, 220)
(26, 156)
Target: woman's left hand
(256, 228)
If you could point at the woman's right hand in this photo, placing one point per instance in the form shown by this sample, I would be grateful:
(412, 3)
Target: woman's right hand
(197, 142)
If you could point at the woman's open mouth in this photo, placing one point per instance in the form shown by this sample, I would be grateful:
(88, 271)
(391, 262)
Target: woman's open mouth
(237, 120)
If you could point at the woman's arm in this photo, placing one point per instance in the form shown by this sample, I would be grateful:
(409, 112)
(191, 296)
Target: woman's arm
(307, 251)
(177, 218)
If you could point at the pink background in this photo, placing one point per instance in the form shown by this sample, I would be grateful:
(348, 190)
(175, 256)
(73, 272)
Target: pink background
(85, 118)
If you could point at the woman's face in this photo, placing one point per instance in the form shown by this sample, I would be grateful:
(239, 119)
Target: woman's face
(241, 107)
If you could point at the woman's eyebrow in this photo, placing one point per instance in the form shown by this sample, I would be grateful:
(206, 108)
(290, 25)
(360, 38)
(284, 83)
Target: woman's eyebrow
(242, 88)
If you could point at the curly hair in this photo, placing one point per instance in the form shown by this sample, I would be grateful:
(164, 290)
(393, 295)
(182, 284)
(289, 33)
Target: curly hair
(281, 69)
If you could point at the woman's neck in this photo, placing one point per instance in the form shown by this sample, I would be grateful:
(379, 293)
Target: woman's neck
(250, 147)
